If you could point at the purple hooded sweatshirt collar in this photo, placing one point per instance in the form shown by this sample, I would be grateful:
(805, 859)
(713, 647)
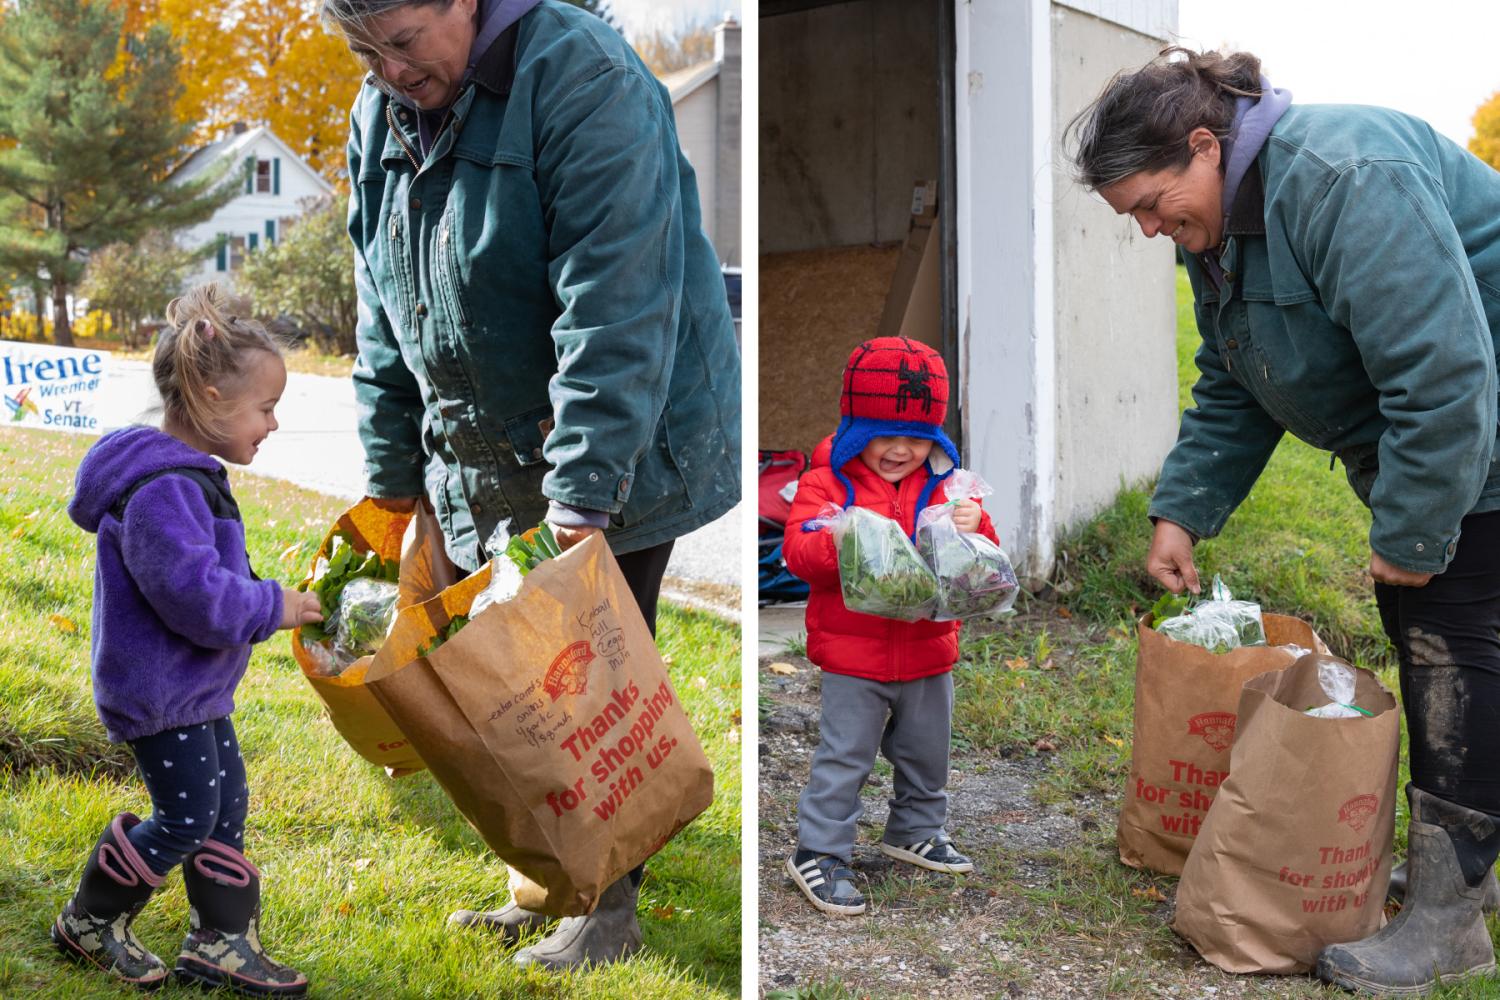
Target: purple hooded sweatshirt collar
(1254, 118)
(119, 460)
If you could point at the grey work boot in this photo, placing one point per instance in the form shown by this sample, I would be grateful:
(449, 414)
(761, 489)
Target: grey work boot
(1440, 935)
(609, 934)
(1489, 902)
(94, 927)
(511, 922)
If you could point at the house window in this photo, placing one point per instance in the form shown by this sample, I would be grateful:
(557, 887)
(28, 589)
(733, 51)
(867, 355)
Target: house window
(263, 176)
(236, 252)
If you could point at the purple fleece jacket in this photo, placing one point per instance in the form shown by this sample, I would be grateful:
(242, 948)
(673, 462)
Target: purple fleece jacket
(176, 606)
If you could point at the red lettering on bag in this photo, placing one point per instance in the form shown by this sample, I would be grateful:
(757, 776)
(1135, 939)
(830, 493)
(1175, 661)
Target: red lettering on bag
(1216, 728)
(569, 671)
(1357, 811)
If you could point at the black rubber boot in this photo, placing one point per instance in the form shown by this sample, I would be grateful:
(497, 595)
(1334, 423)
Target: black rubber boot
(94, 927)
(1440, 935)
(223, 949)
(1489, 902)
(511, 922)
(609, 934)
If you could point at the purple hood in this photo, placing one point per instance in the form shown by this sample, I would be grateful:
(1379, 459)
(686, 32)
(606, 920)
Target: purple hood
(176, 605)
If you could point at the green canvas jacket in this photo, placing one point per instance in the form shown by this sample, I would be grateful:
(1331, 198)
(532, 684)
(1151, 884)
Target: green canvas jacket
(540, 314)
(1360, 310)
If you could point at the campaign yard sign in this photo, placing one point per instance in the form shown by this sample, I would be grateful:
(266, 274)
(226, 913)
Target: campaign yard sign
(57, 388)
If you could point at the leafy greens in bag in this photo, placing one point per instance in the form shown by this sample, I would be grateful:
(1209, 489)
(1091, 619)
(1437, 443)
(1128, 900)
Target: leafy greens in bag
(354, 622)
(880, 572)
(974, 576)
(1219, 624)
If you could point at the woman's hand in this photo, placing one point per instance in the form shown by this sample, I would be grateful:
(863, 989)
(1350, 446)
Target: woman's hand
(569, 537)
(1384, 572)
(298, 608)
(1170, 559)
(966, 516)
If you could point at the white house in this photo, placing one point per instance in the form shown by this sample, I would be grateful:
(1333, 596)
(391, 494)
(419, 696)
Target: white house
(1057, 318)
(275, 192)
(706, 104)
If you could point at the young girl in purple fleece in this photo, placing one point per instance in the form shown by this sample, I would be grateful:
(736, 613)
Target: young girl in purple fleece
(176, 609)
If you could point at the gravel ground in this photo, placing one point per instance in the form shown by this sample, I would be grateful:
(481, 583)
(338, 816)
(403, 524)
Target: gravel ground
(1005, 931)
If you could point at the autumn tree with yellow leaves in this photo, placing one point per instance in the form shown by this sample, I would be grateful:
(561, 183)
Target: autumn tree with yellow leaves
(261, 62)
(1486, 141)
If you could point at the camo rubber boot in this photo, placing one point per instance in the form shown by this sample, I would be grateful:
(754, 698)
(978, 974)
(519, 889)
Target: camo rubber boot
(94, 926)
(223, 948)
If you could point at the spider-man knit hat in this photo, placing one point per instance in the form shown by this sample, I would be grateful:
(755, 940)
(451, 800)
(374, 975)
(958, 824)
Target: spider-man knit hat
(893, 387)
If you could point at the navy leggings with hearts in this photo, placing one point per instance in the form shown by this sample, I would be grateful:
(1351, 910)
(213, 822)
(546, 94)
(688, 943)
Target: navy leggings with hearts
(198, 792)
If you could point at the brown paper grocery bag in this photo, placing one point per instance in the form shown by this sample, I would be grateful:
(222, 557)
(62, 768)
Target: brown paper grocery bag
(1185, 709)
(550, 721)
(1296, 853)
(376, 526)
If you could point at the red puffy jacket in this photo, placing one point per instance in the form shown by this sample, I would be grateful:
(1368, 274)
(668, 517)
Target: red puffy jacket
(847, 642)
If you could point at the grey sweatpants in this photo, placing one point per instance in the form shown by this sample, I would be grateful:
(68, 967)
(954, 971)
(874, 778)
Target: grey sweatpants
(909, 722)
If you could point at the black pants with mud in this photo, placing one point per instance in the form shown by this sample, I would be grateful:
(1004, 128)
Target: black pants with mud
(1447, 636)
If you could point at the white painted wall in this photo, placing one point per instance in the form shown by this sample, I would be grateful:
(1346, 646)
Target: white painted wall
(1115, 311)
(248, 213)
(697, 117)
(1066, 320)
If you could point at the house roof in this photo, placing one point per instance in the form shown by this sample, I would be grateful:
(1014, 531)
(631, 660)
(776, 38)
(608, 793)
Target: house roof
(233, 146)
(683, 82)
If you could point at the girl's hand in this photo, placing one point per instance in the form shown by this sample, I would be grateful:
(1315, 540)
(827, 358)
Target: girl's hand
(298, 608)
(1170, 559)
(966, 516)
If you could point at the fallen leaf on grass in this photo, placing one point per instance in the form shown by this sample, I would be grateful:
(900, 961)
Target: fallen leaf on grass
(784, 669)
(1151, 893)
(1044, 746)
(663, 912)
(1047, 664)
(1064, 613)
(733, 736)
(346, 908)
(62, 624)
(734, 717)
(19, 530)
(1114, 741)
(1017, 663)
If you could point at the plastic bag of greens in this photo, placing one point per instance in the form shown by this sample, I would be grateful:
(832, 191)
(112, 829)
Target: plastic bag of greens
(367, 607)
(344, 566)
(1218, 624)
(511, 558)
(880, 572)
(974, 575)
(1337, 681)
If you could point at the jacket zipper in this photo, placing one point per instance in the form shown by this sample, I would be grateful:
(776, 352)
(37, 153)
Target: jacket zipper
(390, 119)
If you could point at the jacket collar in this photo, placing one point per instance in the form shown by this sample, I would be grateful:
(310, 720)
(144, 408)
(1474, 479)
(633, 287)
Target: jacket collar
(1247, 216)
(496, 69)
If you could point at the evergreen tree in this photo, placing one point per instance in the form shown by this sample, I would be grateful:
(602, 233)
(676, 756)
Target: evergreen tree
(87, 138)
(599, 8)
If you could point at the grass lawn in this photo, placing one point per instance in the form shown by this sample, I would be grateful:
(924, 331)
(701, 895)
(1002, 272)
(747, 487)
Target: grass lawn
(360, 871)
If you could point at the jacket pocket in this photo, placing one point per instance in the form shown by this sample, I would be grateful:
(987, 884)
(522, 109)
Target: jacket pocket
(450, 278)
(527, 433)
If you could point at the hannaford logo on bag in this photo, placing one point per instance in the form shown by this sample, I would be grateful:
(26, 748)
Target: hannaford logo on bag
(1216, 728)
(569, 671)
(1357, 811)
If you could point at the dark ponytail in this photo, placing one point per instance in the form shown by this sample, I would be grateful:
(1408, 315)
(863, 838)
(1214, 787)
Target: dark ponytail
(1142, 119)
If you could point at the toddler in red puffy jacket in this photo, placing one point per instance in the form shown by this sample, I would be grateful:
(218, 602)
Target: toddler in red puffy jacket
(887, 684)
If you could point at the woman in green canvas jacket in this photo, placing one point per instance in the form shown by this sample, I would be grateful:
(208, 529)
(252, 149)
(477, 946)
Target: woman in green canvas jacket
(1345, 266)
(543, 327)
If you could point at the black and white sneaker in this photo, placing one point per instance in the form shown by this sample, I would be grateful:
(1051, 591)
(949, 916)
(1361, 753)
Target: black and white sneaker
(935, 853)
(827, 882)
